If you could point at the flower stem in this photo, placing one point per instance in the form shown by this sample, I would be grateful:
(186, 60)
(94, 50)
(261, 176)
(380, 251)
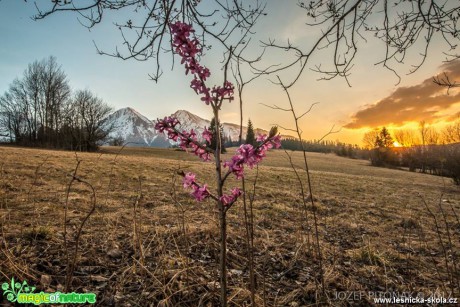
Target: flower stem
(222, 214)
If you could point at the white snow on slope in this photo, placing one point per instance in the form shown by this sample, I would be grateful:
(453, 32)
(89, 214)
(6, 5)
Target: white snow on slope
(138, 130)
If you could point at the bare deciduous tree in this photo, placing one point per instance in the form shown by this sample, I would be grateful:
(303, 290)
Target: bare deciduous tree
(406, 137)
(38, 110)
(451, 133)
(91, 112)
(31, 107)
(370, 138)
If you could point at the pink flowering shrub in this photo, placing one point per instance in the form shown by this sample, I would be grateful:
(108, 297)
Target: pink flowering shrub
(189, 48)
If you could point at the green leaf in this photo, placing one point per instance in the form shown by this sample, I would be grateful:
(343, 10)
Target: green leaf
(12, 284)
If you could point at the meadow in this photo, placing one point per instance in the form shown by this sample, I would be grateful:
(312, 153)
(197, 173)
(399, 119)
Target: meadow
(148, 243)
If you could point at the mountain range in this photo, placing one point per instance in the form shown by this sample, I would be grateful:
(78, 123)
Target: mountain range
(135, 129)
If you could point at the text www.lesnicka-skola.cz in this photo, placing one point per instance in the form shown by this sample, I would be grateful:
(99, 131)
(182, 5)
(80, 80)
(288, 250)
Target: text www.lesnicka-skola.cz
(382, 297)
(416, 300)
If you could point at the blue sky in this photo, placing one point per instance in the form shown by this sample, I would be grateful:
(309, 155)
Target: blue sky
(126, 83)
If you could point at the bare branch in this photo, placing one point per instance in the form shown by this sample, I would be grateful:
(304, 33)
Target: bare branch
(403, 26)
(229, 23)
(445, 82)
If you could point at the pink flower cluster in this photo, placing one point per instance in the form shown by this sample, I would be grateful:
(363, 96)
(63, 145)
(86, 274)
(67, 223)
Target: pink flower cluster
(207, 135)
(247, 154)
(189, 48)
(229, 199)
(168, 123)
(187, 139)
(200, 193)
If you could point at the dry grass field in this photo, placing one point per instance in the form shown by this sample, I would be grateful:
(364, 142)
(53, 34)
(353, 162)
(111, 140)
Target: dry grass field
(148, 243)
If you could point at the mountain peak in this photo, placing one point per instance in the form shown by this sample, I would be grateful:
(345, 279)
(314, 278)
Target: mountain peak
(137, 129)
(132, 112)
(184, 113)
(189, 119)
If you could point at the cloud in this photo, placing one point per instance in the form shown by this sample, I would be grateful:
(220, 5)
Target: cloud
(454, 117)
(424, 101)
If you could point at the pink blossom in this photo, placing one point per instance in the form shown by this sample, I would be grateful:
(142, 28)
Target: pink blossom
(228, 199)
(189, 48)
(225, 92)
(207, 98)
(201, 152)
(261, 137)
(165, 123)
(207, 135)
(236, 192)
(181, 29)
(236, 166)
(276, 141)
(168, 124)
(247, 154)
(199, 87)
(172, 135)
(186, 139)
(203, 72)
(200, 193)
(189, 180)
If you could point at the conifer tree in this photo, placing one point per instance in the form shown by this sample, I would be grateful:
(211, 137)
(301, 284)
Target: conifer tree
(382, 155)
(384, 139)
(250, 137)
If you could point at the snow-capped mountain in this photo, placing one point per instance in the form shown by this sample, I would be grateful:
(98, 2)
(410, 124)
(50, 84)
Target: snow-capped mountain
(191, 121)
(137, 130)
(233, 131)
(132, 127)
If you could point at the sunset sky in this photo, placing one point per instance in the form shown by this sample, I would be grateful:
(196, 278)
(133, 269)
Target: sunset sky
(373, 99)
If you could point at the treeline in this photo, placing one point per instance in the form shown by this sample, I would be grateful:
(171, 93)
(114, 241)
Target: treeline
(439, 153)
(321, 146)
(426, 150)
(325, 146)
(40, 109)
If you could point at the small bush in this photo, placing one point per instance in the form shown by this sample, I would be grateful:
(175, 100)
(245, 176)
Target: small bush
(117, 141)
